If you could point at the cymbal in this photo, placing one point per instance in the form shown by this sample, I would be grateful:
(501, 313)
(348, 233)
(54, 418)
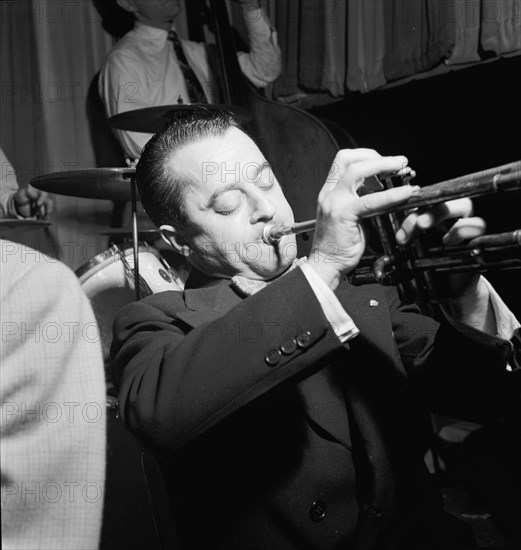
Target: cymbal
(14, 227)
(90, 183)
(152, 119)
(149, 232)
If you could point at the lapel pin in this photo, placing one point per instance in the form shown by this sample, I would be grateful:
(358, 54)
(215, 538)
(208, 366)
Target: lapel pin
(373, 303)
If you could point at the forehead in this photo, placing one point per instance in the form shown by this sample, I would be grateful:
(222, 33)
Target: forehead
(210, 161)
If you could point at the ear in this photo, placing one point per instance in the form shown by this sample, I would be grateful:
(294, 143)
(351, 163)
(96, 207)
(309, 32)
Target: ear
(127, 5)
(171, 236)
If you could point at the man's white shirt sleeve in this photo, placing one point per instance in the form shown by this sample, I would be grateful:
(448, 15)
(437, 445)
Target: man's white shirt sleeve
(341, 323)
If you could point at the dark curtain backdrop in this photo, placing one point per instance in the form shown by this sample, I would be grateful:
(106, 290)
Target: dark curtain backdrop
(339, 47)
(418, 36)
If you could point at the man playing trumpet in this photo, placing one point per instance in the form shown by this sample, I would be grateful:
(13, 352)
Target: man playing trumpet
(284, 404)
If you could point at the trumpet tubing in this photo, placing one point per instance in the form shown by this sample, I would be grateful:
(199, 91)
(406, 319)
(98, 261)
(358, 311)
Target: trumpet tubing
(495, 180)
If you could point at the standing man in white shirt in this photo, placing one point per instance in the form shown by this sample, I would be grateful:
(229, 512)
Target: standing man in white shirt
(143, 69)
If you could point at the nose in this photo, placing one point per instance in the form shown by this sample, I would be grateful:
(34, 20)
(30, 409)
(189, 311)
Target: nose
(263, 208)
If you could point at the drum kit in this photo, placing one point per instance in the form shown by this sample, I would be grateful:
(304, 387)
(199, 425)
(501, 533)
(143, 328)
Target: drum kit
(124, 272)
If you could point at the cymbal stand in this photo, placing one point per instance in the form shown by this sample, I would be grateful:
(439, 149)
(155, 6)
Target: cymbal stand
(133, 199)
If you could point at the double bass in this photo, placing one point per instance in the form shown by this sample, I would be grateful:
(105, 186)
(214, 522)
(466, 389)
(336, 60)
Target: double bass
(298, 146)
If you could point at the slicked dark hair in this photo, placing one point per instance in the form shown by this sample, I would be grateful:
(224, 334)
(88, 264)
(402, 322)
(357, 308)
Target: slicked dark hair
(161, 189)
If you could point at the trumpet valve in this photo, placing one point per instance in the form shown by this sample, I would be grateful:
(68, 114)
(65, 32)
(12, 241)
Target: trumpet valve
(408, 177)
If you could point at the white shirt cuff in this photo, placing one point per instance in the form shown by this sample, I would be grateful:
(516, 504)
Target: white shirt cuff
(343, 326)
(506, 321)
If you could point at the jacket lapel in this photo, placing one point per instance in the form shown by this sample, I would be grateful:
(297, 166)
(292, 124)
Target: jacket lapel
(206, 299)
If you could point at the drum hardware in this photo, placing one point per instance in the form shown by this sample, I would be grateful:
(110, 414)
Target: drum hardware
(150, 233)
(90, 183)
(112, 405)
(133, 201)
(410, 267)
(144, 289)
(116, 184)
(14, 227)
(152, 119)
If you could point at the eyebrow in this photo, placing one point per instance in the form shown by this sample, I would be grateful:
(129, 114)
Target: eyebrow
(233, 185)
(261, 168)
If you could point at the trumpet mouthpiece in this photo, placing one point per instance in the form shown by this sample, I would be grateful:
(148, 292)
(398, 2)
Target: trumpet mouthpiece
(270, 234)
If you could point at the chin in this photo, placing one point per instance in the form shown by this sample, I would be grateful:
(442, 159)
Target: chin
(175, 10)
(273, 270)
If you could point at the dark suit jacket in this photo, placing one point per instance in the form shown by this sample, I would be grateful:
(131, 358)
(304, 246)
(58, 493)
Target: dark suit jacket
(272, 434)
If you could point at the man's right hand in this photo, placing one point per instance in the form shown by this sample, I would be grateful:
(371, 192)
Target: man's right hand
(32, 203)
(339, 242)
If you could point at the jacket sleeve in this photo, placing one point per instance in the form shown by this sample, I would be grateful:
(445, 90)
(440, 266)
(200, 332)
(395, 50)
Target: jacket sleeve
(53, 406)
(455, 369)
(175, 382)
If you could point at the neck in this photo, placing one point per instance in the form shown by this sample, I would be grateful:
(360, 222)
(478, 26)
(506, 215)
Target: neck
(166, 25)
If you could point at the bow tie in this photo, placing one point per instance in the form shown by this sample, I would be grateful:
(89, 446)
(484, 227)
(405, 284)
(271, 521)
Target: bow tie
(247, 286)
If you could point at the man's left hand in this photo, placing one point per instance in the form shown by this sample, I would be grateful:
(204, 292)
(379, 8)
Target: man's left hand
(462, 227)
(468, 297)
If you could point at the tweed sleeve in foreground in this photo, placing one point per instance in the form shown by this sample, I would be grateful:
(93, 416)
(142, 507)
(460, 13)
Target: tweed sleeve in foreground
(53, 407)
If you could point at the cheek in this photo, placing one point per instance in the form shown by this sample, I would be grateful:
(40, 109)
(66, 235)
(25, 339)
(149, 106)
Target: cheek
(286, 216)
(235, 228)
(219, 232)
(284, 209)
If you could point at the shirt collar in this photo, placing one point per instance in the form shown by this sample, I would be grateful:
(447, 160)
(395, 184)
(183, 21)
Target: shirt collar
(151, 34)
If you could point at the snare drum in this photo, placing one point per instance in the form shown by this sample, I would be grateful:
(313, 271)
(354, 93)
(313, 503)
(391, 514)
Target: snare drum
(108, 281)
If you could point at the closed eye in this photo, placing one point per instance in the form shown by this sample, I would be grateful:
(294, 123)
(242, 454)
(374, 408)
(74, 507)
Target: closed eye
(226, 203)
(267, 187)
(267, 183)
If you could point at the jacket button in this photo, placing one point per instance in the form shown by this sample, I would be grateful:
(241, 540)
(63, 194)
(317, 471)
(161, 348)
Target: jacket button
(304, 340)
(272, 357)
(318, 510)
(288, 346)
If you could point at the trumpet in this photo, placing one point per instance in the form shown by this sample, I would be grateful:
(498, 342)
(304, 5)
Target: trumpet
(495, 180)
(408, 266)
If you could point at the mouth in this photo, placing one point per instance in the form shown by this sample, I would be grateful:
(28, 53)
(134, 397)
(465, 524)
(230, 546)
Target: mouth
(268, 235)
(274, 232)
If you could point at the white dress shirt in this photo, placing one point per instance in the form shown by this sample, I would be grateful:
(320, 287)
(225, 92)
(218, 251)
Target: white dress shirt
(341, 323)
